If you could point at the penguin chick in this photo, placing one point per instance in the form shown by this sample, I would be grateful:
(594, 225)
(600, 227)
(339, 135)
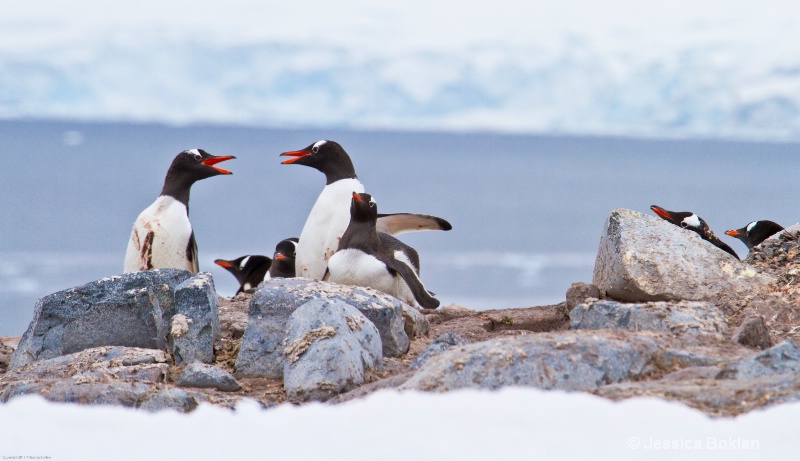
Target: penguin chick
(369, 258)
(692, 222)
(162, 236)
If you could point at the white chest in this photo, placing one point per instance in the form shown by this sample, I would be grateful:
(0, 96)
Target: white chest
(160, 237)
(354, 267)
(325, 225)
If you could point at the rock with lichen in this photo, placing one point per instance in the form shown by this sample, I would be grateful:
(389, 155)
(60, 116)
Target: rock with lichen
(330, 347)
(261, 350)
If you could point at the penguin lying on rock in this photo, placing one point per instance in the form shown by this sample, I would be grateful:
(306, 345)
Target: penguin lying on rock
(755, 232)
(369, 258)
(329, 217)
(162, 236)
(250, 270)
(692, 222)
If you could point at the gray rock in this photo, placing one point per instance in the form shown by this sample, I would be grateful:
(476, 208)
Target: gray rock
(330, 346)
(439, 345)
(644, 258)
(195, 325)
(579, 292)
(691, 317)
(261, 350)
(567, 360)
(170, 399)
(124, 363)
(198, 374)
(777, 360)
(416, 325)
(127, 310)
(753, 332)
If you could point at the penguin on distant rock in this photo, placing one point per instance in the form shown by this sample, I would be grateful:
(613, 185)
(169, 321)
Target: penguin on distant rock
(329, 216)
(369, 258)
(249, 270)
(162, 236)
(755, 232)
(692, 222)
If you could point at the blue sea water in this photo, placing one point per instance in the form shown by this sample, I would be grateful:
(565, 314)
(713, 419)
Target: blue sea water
(527, 211)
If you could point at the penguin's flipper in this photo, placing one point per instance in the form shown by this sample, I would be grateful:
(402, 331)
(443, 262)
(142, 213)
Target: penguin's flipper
(399, 223)
(414, 283)
(327, 275)
(191, 254)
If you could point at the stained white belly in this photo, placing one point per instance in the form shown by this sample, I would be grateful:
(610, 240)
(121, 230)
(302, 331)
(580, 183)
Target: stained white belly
(354, 267)
(171, 230)
(325, 225)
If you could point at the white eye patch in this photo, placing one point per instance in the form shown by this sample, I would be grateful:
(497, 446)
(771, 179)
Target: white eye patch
(319, 144)
(244, 262)
(751, 226)
(692, 221)
(194, 151)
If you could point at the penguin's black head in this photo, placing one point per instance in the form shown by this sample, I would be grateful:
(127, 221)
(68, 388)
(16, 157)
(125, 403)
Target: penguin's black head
(188, 167)
(755, 232)
(685, 219)
(326, 156)
(198, 164)
(363, 208)
(249, 270)
(286, 250)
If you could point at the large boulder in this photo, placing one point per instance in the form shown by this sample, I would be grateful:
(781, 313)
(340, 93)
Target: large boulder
(566, 360)
(330, 347)
(127, 310)
(644, 258)
(693, 317)
(261, 350)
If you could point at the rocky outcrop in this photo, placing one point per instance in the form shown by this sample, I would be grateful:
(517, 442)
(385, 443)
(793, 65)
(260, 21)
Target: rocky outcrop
(261, 350)
(753, 332)
(330, 348)
(439, 345)
(126, 376)
(643, 258)
(132, 310)
(692, 317)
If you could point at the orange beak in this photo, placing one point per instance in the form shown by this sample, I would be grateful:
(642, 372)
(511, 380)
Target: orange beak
(357, 197)
(214, 160)
(733, 233)
(223, 263)
(661, 212)
(279, 257)
(298, 154)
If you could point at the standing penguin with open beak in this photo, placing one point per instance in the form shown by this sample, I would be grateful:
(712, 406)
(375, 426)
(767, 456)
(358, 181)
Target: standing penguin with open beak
(162, 236)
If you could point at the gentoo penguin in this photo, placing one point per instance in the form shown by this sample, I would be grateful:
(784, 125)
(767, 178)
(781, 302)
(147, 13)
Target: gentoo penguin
(369, 258)
(692, 222)
(755, 232)
(284, 258)
(329, 217)
(162, 235)
(249, 270)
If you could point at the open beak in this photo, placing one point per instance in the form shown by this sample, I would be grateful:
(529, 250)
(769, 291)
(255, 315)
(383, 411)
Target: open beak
(733, 233)
(223, 263)
(661, 212)
(214, 160)
(297, 155)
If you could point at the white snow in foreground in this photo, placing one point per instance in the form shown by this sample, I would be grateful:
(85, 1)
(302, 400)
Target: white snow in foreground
(616, 67)
(467, 425)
